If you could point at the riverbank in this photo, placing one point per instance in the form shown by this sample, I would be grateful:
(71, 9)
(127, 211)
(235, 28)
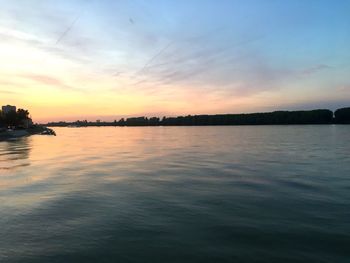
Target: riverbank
(319, 116)
(18, 133)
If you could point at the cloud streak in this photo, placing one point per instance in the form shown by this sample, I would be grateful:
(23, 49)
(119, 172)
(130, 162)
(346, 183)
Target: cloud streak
(315, 69)
(50, 81)
(8, 92)
(231, 68)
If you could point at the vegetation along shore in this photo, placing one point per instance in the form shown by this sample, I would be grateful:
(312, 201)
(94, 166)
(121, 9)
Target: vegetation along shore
(18, 123)
(322, 116)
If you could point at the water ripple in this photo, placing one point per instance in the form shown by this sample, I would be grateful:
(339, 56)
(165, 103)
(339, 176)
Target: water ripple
(177, 194)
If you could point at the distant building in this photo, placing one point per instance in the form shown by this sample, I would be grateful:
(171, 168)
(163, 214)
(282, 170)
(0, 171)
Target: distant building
(8, 108)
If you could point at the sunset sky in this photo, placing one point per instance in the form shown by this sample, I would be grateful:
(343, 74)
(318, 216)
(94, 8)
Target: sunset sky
(68, 60)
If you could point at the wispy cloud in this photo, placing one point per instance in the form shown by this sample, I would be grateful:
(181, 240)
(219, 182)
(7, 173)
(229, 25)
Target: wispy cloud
(217, 67)
(344, 88)
(315, 69)
(50, 81)
(10, 92)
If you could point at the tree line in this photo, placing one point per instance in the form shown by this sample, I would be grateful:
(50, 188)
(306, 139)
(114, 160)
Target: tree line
(321, 116)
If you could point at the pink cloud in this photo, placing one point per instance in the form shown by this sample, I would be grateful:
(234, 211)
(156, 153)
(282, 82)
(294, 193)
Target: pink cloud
(49, 81)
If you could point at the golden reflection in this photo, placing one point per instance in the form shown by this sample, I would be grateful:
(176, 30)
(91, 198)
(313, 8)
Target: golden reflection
(14, 154)
(78, 159)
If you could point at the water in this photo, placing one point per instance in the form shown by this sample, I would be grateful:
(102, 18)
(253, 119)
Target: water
(177, 194)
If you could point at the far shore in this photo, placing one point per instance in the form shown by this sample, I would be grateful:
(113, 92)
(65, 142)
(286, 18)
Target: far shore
(319, 116)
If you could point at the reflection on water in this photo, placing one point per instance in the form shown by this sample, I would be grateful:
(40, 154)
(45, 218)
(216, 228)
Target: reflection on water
(14, 153)
(177, 194)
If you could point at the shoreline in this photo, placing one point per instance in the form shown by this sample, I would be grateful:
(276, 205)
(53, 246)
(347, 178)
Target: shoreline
(311, 117)
(218, 125)
(20, 133)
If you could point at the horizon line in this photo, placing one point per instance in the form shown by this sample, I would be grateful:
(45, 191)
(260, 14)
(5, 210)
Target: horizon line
(125, 117)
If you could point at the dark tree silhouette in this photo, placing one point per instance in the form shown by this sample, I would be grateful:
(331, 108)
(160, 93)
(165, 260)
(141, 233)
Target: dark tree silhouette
(342, 116)
(22, 115)
(277, 117)
(14, 118)
(321, 116)
(10, 118)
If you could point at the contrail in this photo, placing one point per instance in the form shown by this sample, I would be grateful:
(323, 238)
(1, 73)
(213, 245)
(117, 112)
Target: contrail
(68, 29)
(172, 42)
(154, 57)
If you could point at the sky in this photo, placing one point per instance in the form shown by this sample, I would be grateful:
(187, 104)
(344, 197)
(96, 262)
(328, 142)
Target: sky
(100, 59)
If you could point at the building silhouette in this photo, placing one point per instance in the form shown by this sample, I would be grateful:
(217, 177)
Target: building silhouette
(8, 108)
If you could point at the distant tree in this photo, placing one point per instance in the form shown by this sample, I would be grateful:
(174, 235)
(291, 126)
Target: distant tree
(22, 115)
(121, 122)
(342, 116)
(154, 121)
(138, 121)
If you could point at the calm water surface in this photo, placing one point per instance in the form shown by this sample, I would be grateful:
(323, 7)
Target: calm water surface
(177, 194)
